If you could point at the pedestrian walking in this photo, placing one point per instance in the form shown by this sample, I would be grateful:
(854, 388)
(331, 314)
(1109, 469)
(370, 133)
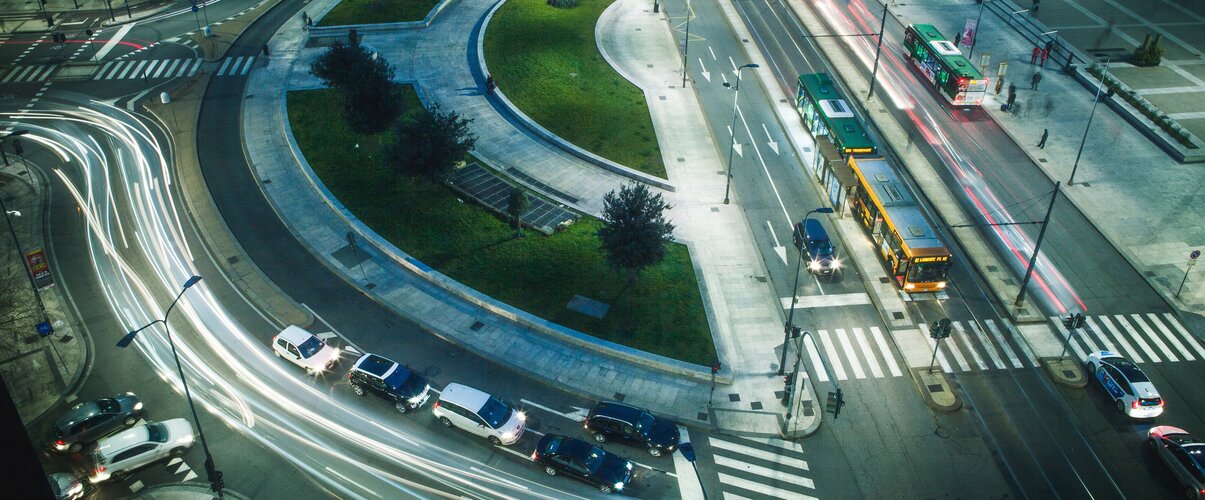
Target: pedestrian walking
(1011, 99)
(1042, 142)
(1016, 110)
(958, 38)
(1049, 106)
(490, 84)
(1033, 82)
(1045, 53)
(1035, 6)
(1033, 58)
(265, 50)
(1012, 91)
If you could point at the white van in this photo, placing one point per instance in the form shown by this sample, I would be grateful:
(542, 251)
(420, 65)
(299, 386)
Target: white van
(479, 413)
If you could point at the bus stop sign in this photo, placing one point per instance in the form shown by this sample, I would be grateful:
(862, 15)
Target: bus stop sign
(1194, 254)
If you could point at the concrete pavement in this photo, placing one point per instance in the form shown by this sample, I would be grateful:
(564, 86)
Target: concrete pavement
(437, 61)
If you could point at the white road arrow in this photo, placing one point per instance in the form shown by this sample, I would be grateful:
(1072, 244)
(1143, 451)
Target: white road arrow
(773, 145)
(778, 249)
(703, 70)
(577, 415)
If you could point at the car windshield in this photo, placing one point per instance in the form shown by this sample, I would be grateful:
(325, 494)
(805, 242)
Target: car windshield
(595, 459)
(399, 377)
(822, 248)
(108, 405)
(495, 412)
(310, 347)
(644, 423)
(157, 432)
(1130, 370)
(928, 272)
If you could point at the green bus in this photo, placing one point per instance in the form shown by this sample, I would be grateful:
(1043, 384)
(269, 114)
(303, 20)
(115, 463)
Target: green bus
(827, 114)
(945, 67)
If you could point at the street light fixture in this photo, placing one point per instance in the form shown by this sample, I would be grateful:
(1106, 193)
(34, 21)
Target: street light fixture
(8, 215)
(732, 142)
(214, 475)
(786, 328)
(3, 154)
(1095, 101)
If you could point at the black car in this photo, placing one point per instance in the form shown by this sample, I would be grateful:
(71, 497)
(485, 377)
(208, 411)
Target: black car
(87, 422)
(622, 422)
(388, 380)
(584, 461)
(1183, 454)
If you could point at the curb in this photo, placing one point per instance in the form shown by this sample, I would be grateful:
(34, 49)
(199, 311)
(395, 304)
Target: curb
(341, 31)
(1065, 371)
(547, 135)
(928, 384)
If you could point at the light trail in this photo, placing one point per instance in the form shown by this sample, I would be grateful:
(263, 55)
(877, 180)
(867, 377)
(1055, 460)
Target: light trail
(118, 173)
(1053, 292)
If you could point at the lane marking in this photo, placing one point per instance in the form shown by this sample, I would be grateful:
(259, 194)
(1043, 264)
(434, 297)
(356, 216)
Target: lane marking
(886, 351)
(121, 33)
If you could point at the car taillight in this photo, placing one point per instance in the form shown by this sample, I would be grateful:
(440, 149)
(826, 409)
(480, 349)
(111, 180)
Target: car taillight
(60, 442)
(535, 455)
(100, 469)
(436, 405)
(1134, 405)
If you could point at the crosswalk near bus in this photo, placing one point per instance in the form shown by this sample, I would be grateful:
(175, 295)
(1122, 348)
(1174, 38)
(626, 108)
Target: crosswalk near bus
(865, 353)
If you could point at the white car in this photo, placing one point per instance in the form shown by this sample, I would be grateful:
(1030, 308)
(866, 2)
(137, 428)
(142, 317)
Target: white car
(117, 455)
(305, 349)
(479, 413)
(1130, 389)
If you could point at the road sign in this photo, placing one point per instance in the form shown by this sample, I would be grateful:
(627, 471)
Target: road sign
(1194, 254)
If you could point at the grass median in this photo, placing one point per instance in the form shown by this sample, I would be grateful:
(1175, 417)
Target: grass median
(662, 313)
(377, 11)
(546, 61)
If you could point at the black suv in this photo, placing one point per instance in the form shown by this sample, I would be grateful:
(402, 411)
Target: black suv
(390, 381)
(583, 461)
(611, 420)
(87, 422)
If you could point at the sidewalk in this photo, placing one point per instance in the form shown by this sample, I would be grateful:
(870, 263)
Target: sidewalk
(40, 371)
(745, 320)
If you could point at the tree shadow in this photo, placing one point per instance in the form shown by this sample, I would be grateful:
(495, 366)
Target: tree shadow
(444, 258)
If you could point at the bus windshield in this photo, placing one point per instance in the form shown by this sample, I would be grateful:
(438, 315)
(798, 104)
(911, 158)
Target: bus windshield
(928, 272)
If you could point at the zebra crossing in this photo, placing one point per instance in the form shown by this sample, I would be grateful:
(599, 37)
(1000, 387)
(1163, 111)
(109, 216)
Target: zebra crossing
(1143, 338)
(148, 68)
(750, 467)
(134, 69)
(996, 344)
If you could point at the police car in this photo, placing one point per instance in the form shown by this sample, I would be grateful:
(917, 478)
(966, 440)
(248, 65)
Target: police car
(1126, 384)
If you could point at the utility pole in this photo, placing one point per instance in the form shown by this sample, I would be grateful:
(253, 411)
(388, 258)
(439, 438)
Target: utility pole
(1037, 246)
(874, 73)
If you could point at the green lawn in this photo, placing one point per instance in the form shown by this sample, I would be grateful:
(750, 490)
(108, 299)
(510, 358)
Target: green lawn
(546, 61)
(663, 313)
(377, 11)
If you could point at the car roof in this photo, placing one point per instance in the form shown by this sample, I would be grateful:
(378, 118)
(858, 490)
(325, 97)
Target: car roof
(616, 410)
(463, 395)
(295, 334)
(1127, 368)
(574, 447)
(378, 366)
(77, 414)
(123, 440)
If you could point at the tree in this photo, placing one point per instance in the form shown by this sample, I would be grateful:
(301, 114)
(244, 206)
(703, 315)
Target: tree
(17, 311)
(371, 105)
(365, 83)
(337, 66)
(429, 144)
(516, 205)
(636, 232)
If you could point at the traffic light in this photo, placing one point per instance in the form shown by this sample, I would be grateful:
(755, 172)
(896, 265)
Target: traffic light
(834, 403)
(216, 483)
(1073, 321)
(88, 32)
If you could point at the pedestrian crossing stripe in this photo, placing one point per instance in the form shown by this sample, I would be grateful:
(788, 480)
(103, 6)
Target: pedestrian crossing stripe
(148, 69)
(21, 74)
(769, 471)
(995, 344)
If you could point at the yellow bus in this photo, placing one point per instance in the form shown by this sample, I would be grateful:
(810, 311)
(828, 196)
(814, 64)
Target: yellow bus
(907, 244)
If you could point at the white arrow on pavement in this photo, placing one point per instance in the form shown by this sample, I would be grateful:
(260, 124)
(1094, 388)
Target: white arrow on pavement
(772, 143)
(577, 415)
(713, 58)
(703, 70)
(737, 147)
(778, 249)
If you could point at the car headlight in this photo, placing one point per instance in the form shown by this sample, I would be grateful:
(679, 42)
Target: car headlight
(941, 284)
(138, 406)
(909, 286)
(417, 399)
(814, 265)
(521, 416)
(618, 486)
(508, 435)
(836, 264)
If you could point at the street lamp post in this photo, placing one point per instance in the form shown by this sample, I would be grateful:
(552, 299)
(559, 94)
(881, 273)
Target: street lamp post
(732, 141)
(1095, 101)
(786, 328)
(1033, 259)
(214, 475)
(874, 73)
(975, 34)
(686, 45)
(13, 232)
